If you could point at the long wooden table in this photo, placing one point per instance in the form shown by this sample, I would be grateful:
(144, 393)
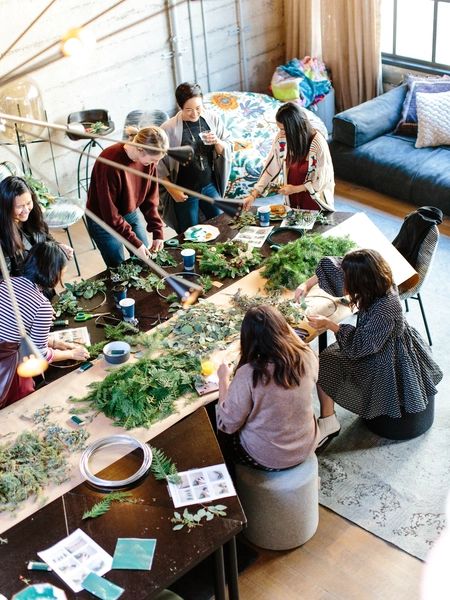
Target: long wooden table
(190, 443)
(57, 393)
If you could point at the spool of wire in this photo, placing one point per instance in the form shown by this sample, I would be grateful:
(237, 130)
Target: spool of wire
(128, 443)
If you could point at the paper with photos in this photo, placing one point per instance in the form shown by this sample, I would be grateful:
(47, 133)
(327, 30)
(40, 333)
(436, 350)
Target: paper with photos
(74, 557)
(199, 486)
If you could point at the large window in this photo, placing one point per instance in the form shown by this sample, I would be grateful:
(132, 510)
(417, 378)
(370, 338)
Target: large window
(416, 34)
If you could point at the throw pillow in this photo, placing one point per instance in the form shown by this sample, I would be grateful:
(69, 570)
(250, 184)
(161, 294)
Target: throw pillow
(433, 111)
(408, 123)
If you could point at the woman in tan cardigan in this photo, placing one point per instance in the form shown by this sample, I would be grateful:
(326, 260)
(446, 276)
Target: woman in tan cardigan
(301, 155)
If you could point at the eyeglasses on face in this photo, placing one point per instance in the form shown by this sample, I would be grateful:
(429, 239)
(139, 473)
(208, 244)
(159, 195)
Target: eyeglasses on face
(193, 111)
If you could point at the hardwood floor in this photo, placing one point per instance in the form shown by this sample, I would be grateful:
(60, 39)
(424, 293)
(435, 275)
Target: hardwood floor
(342, 561)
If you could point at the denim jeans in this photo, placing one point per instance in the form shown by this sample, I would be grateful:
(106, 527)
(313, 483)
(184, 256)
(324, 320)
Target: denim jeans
(187, 212)
(112, 251)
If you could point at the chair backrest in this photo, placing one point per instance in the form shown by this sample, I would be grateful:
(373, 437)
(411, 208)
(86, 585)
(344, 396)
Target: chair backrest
(142, 118)
(424, 260)
(417, 242)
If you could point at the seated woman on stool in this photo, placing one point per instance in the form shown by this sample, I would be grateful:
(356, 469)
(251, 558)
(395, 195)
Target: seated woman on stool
(378, 366)
(267, 408)
(42, 270)
(303, 153)
(21, 223)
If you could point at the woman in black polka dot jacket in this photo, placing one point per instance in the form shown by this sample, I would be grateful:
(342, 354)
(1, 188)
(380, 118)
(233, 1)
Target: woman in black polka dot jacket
(378, 365)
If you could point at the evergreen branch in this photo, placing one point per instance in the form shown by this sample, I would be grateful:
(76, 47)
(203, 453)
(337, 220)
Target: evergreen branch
(104, 505)
(163, 467)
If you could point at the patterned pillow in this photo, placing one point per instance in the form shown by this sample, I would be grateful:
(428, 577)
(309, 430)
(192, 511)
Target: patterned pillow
(250, 118)
(433, 111)
(408, 123)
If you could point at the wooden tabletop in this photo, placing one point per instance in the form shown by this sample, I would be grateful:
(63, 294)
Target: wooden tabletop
(190, 443)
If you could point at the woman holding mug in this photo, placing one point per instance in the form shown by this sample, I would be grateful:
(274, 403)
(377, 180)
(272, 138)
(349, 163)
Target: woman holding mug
(300, 153)
(210, 168)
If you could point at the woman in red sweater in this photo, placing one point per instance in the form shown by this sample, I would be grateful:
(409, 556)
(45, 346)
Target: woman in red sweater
(121, 199)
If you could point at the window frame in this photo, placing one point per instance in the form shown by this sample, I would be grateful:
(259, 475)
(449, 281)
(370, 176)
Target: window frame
(416, 64)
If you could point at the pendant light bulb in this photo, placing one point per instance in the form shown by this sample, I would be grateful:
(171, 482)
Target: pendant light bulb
(31, 361)
(77, 43)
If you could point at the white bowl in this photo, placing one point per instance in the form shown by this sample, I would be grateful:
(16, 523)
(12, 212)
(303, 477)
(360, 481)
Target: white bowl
(116, 353)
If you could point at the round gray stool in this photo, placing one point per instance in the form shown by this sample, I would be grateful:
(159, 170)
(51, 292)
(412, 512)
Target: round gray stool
(282, 507)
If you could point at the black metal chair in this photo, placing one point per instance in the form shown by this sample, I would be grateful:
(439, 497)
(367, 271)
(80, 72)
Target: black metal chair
(142, 118)
(417, 241)
(96, 120)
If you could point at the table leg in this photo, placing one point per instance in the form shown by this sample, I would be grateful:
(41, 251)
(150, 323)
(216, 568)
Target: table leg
(219, 575)
(232, 571)
(323, 342)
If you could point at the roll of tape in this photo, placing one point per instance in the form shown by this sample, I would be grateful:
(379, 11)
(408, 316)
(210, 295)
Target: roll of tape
(173, 243)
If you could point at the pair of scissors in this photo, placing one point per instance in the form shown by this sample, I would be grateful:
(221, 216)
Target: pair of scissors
(82, 316)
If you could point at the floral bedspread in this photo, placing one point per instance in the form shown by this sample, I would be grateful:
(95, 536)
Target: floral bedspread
(250, 118)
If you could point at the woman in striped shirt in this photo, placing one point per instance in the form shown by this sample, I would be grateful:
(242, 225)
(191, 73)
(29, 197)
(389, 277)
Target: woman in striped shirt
(42, 270)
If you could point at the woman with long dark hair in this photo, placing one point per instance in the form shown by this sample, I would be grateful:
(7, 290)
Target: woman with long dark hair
(301, 155)
(21, 223)
(267, 408)
(209, 170)
(381, 365)
(42, 270)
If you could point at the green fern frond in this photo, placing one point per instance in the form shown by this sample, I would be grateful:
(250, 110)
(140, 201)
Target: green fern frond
(163, 467)
(104, 505)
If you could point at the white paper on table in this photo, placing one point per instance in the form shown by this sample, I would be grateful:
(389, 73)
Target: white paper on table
(74, 557)
(253, 236)
(199, 486)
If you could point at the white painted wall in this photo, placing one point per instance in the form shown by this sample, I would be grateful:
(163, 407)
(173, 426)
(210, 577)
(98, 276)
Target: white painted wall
(134, 69)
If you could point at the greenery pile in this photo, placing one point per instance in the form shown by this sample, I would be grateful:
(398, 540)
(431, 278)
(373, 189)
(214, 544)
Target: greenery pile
(226, 259)
(295, 262)
(32, 461)
(203, 328)
(141, 393)
(68, 301)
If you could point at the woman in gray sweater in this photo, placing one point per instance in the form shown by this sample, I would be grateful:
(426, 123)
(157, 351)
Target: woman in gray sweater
(267, 408)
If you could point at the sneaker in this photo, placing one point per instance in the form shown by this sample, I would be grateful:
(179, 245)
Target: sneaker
(329, 427)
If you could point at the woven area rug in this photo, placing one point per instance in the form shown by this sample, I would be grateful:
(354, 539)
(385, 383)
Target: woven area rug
(397, 490)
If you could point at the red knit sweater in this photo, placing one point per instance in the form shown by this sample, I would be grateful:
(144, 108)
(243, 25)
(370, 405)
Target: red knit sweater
(113, 193)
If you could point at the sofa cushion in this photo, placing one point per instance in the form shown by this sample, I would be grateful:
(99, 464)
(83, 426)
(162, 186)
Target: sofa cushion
(433, 112)
(363, 123)
(432, 85)
(390, 164)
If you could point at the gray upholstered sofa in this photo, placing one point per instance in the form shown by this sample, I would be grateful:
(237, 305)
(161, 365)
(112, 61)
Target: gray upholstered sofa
(366, 151)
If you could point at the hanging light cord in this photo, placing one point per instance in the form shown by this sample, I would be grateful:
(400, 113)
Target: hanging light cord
(12, 295)
(106, 161)
(195, 289)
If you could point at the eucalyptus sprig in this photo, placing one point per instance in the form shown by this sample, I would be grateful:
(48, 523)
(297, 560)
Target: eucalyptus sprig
(104, 505)
(164, 258)
(163, 467)
(191, 520)
(203, 328)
